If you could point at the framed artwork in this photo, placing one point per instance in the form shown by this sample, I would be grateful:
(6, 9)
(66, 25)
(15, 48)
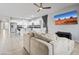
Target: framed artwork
(66, 18)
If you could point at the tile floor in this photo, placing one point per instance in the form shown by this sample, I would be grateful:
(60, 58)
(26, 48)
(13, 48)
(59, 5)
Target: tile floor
(10, 44)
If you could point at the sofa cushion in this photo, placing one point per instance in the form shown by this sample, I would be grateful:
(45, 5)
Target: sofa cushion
(38, 47)
(62, 46)
(46, 37)
(42, 37)
(31, 34)
(52, 37)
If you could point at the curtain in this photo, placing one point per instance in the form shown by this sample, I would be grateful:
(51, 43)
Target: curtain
(45, 17)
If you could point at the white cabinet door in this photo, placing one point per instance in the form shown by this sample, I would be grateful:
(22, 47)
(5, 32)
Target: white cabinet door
(13, 27)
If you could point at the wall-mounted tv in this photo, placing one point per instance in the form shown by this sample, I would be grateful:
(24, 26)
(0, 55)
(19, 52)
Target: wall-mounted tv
(66, 18)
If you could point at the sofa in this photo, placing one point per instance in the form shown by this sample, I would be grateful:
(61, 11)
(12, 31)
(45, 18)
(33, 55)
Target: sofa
(47, 44)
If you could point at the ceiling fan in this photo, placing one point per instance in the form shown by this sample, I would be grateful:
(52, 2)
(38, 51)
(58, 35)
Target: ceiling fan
(41, 7)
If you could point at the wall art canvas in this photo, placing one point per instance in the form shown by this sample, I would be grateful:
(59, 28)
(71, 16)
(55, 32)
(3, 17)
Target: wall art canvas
(66, 18)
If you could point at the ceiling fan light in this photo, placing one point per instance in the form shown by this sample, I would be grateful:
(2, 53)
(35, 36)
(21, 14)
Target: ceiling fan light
(40, 8)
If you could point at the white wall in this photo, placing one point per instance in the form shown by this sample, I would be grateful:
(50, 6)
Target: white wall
(74, 28)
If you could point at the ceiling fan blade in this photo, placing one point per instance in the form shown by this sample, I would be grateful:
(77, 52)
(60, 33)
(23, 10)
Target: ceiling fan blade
(38, 10)
(36, 5)
(46, 7)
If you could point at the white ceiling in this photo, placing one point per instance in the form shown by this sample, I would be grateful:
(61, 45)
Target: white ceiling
(28, 9)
